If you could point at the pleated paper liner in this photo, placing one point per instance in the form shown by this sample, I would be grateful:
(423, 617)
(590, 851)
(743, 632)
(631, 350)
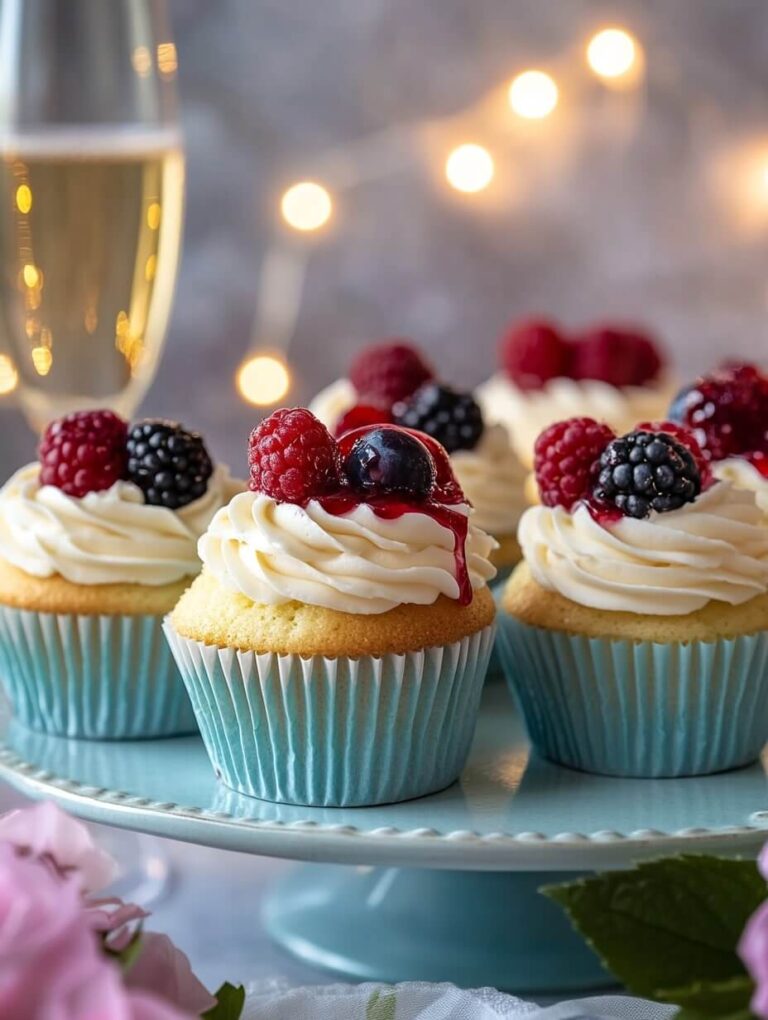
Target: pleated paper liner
(638, 708)
(336, 732)
(100, 677)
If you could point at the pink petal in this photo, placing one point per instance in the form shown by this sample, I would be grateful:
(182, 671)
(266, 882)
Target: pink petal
(163, 969)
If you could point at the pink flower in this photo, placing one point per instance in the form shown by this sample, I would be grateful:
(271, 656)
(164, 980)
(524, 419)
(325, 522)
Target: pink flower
(44, 831)
(115, 926)
(163, 969)
(753, 949)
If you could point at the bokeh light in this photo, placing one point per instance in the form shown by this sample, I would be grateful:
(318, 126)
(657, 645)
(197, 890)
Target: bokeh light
(611, 53)
(306, 206)
(9, 377)
(24, 198)
(31, 275)
(42, 359)
(469, 168)
(533, 95)
(263, 379)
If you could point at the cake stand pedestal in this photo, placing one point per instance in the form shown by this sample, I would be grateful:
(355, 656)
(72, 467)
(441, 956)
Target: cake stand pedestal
(441, 888)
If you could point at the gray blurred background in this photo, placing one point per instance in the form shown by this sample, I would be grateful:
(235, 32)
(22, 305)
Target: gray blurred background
(648, 205)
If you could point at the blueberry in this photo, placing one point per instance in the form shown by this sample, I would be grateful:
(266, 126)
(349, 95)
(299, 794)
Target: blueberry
(388, 460)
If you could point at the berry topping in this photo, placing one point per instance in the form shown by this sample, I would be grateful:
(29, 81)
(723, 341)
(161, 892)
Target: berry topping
(646, 471)
(170, 465)
(389, 372)
(759, 459)
(726, 410)
(293, 457)
(83, 452)
(687, 438)
(615, 356)
(454, 419)
(361, 415)
(532, 353)
(566, 458)
(390, 460)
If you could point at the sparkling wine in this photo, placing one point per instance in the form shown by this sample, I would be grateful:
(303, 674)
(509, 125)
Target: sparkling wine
(90, 229)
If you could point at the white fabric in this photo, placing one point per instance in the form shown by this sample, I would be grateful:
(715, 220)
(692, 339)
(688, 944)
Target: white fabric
(417, 1001)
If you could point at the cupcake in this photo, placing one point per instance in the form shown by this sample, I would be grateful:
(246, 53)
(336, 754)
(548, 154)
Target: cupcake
(613, 374)
(97, 541)
(391, 382)
(634, 631)
(335, 645)
(727, 411)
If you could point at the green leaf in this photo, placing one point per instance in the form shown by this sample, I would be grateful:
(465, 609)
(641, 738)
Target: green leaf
(726, 1000)
(381, 1007)
(127, 956)
(229, 1003)
(666, 923)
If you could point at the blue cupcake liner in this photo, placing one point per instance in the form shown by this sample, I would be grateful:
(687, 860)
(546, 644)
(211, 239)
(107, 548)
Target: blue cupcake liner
(336, 732)
(100, 677)
(495, 674)
(639, 708)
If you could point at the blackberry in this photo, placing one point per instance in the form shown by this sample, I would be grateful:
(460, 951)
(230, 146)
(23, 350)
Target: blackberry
(646, 471)
(170, 465)
(454, 419)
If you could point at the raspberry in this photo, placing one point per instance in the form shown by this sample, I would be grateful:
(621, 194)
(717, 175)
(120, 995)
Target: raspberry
(646, 471)
(616, 356)
(565, 459)
(727, 411)
(361, 415)
(759, 460)
(292, 457)
(532, 353)
(170, 465)
(83, 452)
(454, 419)
(687, 438)
(389, 371)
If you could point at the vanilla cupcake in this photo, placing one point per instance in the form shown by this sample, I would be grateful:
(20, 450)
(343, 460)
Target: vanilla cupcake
(634, 632)
(97, 542)
(611, 374)
(336, 643)
(391, 382)
(727, 411)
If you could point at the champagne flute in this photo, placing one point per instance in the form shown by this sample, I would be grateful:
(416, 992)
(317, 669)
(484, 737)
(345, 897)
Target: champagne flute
(91, 199)
(91, 206)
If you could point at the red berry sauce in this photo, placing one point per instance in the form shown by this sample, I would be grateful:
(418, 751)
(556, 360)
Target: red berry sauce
(447, 493)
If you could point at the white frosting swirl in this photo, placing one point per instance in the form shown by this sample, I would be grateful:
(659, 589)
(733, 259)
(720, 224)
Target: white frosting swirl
(526, 413)
(356, 562)
(743, 475)
(670, 563)
(492, 478)
(107, 537)
(333, 402)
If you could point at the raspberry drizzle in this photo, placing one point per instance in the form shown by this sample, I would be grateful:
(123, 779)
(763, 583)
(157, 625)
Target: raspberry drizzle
(446, 494)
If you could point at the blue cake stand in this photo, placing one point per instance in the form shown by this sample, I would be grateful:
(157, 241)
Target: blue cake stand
(443, 888)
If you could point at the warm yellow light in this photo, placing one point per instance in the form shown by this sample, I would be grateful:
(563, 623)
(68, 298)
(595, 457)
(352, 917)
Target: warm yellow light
(31, 275)
(533, 95)
(611, 53)
(153, 215)
(150, 268)
(263, 380)
(122, 324)
(306, 205)
(9, 377)
(469, 168)
(42, 359)
(24, 198)
(142, 61)
(167, 60)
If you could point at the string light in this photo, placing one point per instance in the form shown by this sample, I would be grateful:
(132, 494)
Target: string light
(263, 379)
(9, 377)
(23, 198)
(533, 95)
(42, 359)
(469, 168)
(306, 206)
(611, 53)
